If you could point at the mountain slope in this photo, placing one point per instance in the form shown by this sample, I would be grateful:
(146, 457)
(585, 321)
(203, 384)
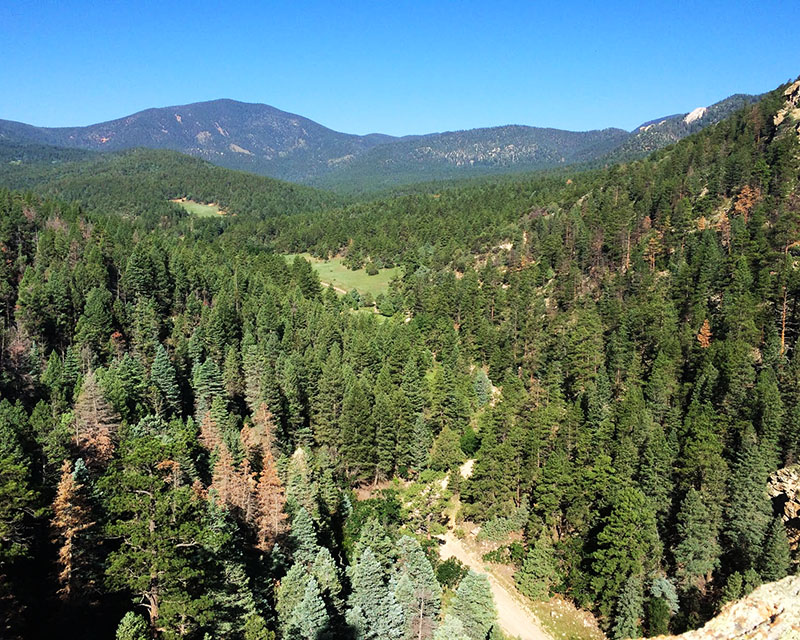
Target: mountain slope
(142, 181)
(265, 140)
(658, 133)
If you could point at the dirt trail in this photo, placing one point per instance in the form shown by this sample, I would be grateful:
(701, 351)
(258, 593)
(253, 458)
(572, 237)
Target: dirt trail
(337, 289)
(516, 620)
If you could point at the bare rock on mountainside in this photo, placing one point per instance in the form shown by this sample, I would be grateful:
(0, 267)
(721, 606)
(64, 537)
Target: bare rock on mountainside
(784, 489)
(771, 612)
(792, 107)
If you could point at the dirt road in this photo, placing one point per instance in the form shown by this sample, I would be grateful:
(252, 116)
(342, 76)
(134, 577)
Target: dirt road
(515, 618)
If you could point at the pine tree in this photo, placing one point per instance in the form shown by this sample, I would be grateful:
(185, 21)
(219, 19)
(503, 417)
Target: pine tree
(159, 524)
(71, 518)
(18, 496)
(698, 550)
(326, 574)
(132, 627)
(776, 558)
(373, 536)
(309, 618)
(629, 610)
(164, 379)
(417, 589)
(451, 629)
(749, 509)
(446, 452)
(208, 385)
(270, 500)
(304, 538)
(372, 608)
(474, 606)
(384, 417)
(538, 572)
(326, 405)
(627, 546)
(96, 423)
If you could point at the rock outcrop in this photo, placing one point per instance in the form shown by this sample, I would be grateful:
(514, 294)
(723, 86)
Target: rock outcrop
(771, 612)
(784, 489)
(792, 107)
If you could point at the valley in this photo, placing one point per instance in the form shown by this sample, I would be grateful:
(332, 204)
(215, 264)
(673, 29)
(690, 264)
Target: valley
(265, 380)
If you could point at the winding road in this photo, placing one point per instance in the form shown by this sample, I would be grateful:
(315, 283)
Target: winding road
(516, 620)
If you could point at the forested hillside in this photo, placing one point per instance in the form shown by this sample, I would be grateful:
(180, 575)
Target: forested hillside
(186, 414)
(141, 182)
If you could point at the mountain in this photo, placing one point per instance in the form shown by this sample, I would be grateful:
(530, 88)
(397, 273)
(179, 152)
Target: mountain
(657, 134)
(236, 135)
(262, 139)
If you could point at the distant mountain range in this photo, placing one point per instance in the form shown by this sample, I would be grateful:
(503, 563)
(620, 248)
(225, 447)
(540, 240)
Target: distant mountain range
(264, 140)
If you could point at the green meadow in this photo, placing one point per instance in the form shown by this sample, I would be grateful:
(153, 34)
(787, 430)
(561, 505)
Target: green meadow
(198, 209)
(333, 272)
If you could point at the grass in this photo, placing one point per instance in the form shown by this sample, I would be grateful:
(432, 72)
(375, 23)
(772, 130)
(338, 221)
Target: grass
(198, 209)
(334, 272)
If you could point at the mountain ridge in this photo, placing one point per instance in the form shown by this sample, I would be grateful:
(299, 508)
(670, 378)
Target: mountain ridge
(263, 139)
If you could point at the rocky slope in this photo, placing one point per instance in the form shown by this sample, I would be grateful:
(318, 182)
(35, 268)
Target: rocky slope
(771, 612)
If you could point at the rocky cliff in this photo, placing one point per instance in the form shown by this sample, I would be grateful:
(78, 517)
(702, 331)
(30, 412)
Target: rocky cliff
(771, 612)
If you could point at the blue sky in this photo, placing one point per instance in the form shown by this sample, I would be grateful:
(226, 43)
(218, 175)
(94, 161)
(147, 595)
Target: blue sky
(397, 66)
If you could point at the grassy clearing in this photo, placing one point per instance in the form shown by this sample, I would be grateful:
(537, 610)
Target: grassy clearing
(198, 209)
(564, 621)
(333, 272)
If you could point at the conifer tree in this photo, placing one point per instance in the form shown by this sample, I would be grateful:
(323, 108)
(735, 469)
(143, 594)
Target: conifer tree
(96, 423)
(446, 452)
(373, 536)
(71, 518)
(698, 550)
(451, 629)
(629, 610)
(270, 500)
(164, 379)
(749, 511)
(372, 608)
(132, 627)
(309, 618)
(417, 589)
(776, 557)
(304, 538)
(538, 572)
(627, 546)
(474, 606)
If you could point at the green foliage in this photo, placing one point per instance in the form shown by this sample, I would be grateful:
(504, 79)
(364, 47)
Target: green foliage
(132, 627)
(539, 571)
(474, 606)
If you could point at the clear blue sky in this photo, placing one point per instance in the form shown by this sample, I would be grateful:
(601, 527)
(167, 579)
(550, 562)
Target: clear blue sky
(393, 66)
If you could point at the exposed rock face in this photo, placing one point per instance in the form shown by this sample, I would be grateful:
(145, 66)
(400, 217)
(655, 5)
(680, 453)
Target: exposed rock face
(792, 107)
(771, 612)
(784, 489)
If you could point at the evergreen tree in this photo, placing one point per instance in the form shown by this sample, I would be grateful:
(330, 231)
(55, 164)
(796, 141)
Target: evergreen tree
(698, 550)
(373, 610)
(416, 588)
(164, 379)
(749, 510)
(71, 518)
(309, 617)
(629, 610)
(474, 606)
(538, 572)
(446, 452)
(776, 555)
(303, 537)
(132, 627)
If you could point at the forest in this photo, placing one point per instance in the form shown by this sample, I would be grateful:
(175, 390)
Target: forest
(189, 421)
